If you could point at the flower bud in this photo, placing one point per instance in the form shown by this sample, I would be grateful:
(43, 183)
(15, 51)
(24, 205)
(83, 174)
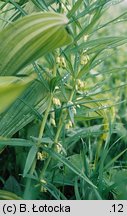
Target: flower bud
(56, 101)
(61, 62)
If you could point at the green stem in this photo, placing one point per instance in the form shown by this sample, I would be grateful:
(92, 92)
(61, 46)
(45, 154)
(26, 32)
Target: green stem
(44, 121)
(60, 125)
(55, 142)
(28, 182)
(45, 167)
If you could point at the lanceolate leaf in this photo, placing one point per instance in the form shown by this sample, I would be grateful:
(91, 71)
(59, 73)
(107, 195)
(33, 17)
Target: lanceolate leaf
(16, 142)
(67, 163)
(30, 158)
(29, 38)
(43, 4)
(100, 44)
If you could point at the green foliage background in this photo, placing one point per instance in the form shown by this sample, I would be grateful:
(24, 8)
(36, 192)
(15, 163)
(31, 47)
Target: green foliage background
(63, 99)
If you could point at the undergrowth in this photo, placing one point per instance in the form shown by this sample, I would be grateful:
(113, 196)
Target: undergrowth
(63, 100)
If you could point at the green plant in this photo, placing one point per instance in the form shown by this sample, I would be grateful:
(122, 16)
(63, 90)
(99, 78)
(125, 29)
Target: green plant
(59, 133)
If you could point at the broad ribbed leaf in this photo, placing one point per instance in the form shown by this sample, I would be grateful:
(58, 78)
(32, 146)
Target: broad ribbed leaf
(10, 89)
(22, 111)
(29, 38)
(6, 195)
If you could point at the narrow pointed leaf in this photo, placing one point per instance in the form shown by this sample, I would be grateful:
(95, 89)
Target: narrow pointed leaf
(100, 44)
(15, 142)
(67, 163)
(30, 158)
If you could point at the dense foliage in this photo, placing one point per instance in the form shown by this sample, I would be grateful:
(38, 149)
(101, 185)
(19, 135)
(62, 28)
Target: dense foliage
(63, 99)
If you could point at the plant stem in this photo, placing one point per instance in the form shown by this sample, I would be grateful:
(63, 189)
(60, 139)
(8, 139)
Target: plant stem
(44, 168)
(60, 125)
(28, 182)
(55, 142)
(44, 122)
